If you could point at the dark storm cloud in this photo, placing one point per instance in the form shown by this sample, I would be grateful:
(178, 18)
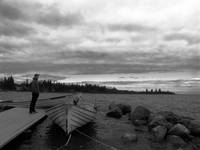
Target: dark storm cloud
(191, 60)
(189, 38)
(18, 67)
(53, 45)
(130, 28)
(55, 18)
(10, 28)
(9, 46)
(83, 55)
(93, 68)
(11, 10)
(32, 12)
(134, 61)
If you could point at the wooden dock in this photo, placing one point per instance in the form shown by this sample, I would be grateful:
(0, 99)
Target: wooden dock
(15, 121)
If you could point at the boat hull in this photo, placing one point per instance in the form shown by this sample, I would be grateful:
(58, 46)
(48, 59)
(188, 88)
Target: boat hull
(70, 117)
(67, 116)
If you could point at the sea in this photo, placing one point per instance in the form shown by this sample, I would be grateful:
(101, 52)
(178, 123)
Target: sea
(103, 133)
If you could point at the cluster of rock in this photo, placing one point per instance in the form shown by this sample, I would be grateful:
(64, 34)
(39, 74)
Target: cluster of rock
(166, 121)
(163, 125)
(117, 110)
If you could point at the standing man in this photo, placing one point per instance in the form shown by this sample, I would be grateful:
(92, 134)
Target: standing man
(35, 93)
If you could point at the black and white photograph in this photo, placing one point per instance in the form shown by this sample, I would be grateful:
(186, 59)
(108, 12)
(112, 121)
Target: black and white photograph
(99, 74)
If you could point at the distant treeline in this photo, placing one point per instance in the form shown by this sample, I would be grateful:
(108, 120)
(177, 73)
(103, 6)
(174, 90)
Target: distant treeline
(7, 83)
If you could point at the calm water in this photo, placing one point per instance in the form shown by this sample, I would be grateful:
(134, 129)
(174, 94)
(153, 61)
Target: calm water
(47, 136)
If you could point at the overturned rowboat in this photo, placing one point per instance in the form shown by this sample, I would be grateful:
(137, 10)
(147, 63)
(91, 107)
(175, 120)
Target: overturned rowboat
(70, 117)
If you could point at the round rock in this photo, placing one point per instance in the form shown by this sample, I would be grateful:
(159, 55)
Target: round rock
(115, 113)
(159, 133)
(176, 140)
(140, 113)
(179, 130)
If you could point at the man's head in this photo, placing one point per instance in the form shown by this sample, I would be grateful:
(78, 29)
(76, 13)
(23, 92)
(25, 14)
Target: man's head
(36, 76)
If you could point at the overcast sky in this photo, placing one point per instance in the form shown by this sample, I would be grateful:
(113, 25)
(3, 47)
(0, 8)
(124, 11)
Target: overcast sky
(141, 43)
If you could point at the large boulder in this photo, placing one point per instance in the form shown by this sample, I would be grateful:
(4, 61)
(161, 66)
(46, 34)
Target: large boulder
(115, 113)
(129, 137)
(179, 130)
(125, 108)
(185, 121)
(157, 120)
(176, 140)
(170, 116)
(194, 127)
(140, 114)
(159, 133)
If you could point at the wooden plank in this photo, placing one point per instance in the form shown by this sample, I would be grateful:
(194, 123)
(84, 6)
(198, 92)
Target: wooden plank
(78, 116)
(83, 110)
(83, 115)
(15, 121)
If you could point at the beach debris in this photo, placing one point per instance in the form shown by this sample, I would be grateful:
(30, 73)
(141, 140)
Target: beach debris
(115, 113)
(159, 133)
(179, 130)
(140, 115)
(129, 137)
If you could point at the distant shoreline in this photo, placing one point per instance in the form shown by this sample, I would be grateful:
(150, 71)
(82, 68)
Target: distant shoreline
(8, 84)
(98, 92)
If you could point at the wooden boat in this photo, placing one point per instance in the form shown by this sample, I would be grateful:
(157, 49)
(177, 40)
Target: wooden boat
(69, 117)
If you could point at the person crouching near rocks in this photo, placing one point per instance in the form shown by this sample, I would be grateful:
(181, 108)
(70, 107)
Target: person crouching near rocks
(35, 93)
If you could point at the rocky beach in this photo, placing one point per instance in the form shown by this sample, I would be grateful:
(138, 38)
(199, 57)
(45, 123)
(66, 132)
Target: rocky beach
(140, 122)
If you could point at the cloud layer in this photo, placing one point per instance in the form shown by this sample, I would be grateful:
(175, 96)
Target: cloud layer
(102, 37)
